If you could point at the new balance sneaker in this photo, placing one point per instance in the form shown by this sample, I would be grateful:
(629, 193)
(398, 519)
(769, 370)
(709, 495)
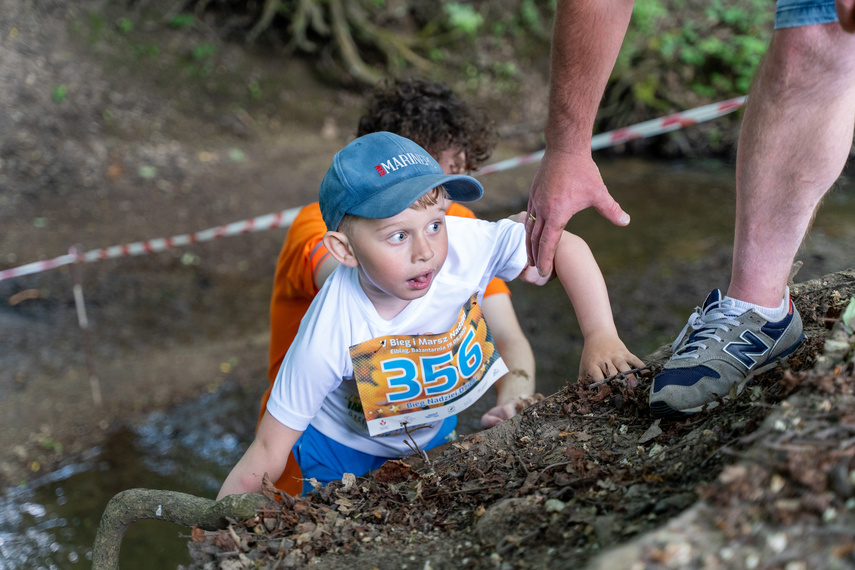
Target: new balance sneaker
(719, 351)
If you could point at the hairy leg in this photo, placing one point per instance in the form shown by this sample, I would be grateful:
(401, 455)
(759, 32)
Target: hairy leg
(795, 139)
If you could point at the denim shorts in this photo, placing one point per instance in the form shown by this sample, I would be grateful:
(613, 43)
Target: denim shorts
(794, 13)
(327, 460)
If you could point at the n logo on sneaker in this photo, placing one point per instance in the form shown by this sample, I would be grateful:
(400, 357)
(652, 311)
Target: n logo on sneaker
(744, 352)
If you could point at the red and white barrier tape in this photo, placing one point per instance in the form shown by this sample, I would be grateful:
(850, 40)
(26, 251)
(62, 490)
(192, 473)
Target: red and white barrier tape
(284, 218)
(646, 129)
(265, 222)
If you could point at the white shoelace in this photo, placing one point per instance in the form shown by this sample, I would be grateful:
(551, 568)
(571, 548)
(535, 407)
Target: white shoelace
(705, 323)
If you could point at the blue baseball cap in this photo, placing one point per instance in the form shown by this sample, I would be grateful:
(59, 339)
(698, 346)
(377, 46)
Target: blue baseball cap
(381, 174)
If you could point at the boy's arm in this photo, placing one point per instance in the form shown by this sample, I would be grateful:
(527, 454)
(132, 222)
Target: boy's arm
(515, 351)
(604, 354)
(268, 453)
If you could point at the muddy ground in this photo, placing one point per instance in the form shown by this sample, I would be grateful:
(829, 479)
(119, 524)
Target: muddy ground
(110, 137)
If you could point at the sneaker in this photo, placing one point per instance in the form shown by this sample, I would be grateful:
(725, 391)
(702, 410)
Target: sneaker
(717, 351)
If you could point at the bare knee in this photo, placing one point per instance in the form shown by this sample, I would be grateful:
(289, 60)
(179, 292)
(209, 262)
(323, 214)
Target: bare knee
(809, 59)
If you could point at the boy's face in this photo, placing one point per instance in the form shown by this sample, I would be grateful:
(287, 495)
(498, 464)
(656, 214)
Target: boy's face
(400, 256)
(452, 160)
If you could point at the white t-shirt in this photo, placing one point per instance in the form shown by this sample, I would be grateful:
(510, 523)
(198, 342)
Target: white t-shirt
(315, 382)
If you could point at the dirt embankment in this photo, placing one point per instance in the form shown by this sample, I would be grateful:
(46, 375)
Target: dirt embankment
(588, 477)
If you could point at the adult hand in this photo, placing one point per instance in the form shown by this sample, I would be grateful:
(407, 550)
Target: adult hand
(564, 184)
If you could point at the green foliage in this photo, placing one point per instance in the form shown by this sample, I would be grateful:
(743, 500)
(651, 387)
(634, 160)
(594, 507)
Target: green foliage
(96, 27)
(646, 16)
(463, 17)
(530, 17)
(204, 51)
(124, 25)
(142, 50)
(203, 55)
(50, 444)
(181, 21)
(254, 89)
(532, 20)
(713, 55)
(59, 94)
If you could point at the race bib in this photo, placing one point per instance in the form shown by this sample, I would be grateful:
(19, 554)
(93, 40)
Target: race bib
(417, 379)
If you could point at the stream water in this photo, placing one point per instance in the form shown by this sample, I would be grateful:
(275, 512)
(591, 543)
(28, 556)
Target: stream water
(658, 269)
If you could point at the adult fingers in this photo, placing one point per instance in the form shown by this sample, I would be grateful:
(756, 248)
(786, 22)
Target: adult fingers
(530, 218)
(611, 210)
(547, 243)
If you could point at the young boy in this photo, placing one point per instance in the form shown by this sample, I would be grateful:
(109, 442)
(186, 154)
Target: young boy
(460, 138)
(394, 344)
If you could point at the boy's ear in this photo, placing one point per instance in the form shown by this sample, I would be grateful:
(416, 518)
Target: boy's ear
(338, 245)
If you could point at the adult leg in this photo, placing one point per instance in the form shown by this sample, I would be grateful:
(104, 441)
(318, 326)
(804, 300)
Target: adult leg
(795, 139)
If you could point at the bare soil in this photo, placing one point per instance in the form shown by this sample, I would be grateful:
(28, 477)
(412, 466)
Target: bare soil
(111, 137)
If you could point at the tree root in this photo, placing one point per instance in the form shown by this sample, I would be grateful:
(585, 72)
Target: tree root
(342, 23)
(178, 508)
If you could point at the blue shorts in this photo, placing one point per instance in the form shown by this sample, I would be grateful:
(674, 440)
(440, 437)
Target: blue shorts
(794, 13)
(328, 460)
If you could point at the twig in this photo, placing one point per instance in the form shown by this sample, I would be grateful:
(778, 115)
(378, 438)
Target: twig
(548, 467)
(417, 450)
(458, 491)
(507, 543)
(620, 376)
(520, 461)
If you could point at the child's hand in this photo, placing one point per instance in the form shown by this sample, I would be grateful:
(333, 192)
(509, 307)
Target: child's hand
(606, 356)
(498, 414)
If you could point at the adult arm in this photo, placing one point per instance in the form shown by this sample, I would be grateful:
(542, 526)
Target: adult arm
(516, 351)
(586, 39)
(268, 453)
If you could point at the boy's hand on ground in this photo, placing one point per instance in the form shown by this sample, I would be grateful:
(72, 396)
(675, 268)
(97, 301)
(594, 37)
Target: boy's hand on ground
(503, 412)
(607, 356)
(498, 414)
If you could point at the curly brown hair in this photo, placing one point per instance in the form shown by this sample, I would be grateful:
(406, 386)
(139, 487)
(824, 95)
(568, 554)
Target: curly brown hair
(432, 116)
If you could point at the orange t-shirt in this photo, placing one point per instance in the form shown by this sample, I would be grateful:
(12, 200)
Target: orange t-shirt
(294, 288)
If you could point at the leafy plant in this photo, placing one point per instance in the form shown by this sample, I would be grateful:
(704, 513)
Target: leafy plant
(124, 25)
(181, 21)
(59, 93)
(254, 89)
(204, 51)
(463, 17)
(715, 56)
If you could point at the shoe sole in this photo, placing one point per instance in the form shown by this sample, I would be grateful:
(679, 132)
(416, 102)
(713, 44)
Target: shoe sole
(663, 410)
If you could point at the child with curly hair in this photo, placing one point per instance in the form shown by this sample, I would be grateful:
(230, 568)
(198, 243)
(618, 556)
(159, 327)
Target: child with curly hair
(461, 139)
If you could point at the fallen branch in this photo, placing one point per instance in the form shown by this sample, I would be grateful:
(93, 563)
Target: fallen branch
(178, 508)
